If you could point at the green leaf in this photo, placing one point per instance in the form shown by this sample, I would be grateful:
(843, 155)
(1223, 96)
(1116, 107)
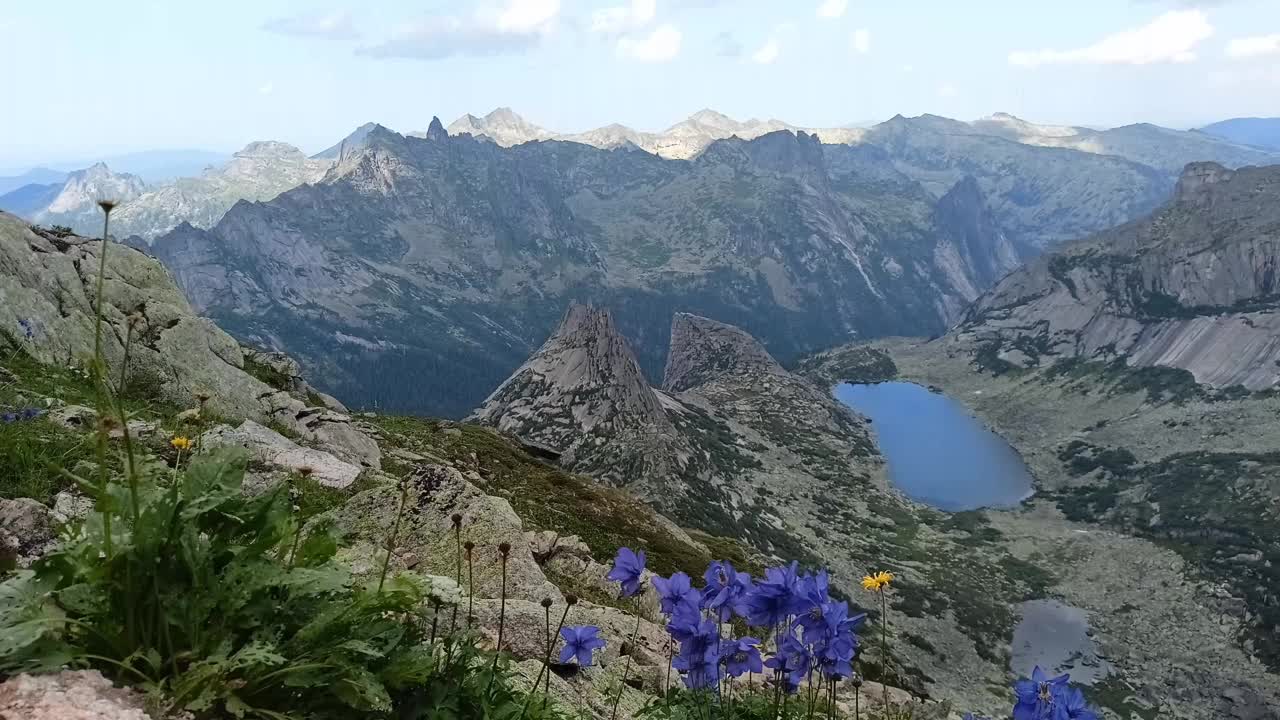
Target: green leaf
(83, 599)
(258, 654)
(212, 480)
(361, 690)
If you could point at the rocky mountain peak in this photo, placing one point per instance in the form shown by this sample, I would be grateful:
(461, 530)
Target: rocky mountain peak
(436, 131)
(583, 395)
(76, 203)
(1197, 179)
(348, 144)
(585, 372)
(702, 349)
(269, 149)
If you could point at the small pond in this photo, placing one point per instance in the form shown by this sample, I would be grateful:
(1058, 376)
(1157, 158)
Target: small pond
(937, 453)
(1056, 637)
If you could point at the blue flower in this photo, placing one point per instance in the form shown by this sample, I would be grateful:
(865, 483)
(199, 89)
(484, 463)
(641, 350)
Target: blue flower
(1038, 696)
(9, 418)
(674, 591)
(28, 330)
(726, 590)
(627, 570)
(21, 415)
(31, 413)
(699, 657)
(741, 656)
(1071, 705)
(773, 599)
(792, 660)
(579, 642)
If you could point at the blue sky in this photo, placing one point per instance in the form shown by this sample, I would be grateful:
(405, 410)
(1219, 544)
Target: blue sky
(98, 78)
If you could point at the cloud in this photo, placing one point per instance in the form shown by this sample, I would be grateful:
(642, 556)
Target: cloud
(334, 26)
(624, 19)
(660, 45)
(860, 41)
(948, 91)
(266, 89)
(1251, 47)
(1171, 37)
(515, 27)
(727, 45)
(767, 53)
(832, 9)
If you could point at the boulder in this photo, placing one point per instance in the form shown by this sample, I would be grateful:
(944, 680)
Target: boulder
(27, 530)
(69, 695)
(433, 494)
(271, 448)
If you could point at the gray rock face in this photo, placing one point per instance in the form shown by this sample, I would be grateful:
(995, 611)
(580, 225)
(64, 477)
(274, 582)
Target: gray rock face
(69, 695)
(27, 530)
(49, 282)
(271, 448)
(703, 349)
(1191, 287)
(583, 395)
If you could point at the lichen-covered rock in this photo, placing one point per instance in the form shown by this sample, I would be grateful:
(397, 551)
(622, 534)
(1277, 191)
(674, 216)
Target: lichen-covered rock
(271, 448)
(68, 695)
(49, 283)
(433, 495)
(27, 530)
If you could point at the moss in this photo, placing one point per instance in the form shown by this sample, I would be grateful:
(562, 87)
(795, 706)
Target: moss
(546, 497)
(267, 374)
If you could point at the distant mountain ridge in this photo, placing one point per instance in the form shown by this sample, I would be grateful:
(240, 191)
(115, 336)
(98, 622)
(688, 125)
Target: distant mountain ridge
(1259, 132)
(1164, 149)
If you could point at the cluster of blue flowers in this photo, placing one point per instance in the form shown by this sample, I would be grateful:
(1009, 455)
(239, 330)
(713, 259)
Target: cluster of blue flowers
(1045, 698)
(20, 415)
(28, 329)
(813, 635)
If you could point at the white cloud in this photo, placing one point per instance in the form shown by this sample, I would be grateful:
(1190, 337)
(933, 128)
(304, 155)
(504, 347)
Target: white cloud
(948, 91)
(515, 27)
(767, 53)
(1172, 37)
(660, 45)
(266, 89)
(832, 9)
(860, 41)
(624, 19)
(334, 26)
(527, 16)
(1251, 47)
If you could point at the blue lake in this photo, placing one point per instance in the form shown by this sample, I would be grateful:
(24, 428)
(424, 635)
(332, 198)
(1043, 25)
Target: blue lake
(937, 453)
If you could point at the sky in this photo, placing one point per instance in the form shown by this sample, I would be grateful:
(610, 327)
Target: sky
(92, 79)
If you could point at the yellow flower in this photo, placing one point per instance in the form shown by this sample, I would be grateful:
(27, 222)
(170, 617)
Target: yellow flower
(876, 582)
(181, 443)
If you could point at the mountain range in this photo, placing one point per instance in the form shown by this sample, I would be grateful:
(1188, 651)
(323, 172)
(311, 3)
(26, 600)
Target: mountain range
(1259, 132)
(1162, 148)
(260, 171)
(420, 271)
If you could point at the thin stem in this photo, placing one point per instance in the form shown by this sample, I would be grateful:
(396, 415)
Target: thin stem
(626, 668)
(502, 615)
(99, 382)
(471, 589)
(395, 531)
(457, 536)
(546, 662)
(884, 646)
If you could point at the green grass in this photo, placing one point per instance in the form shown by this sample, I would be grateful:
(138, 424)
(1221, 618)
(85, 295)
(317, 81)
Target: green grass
(548, 498)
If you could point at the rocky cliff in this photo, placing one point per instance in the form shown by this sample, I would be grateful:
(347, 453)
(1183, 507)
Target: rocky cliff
(47, 310)
(583, 396)
(1191, 287)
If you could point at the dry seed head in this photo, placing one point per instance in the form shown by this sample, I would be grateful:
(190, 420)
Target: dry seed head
(504, 548)
(571, 599)
(457, 520)
(107, 205)
(546, 602)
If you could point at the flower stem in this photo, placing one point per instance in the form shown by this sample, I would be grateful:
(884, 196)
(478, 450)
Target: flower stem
(626, 668)
(395, 530)
(884, 646)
